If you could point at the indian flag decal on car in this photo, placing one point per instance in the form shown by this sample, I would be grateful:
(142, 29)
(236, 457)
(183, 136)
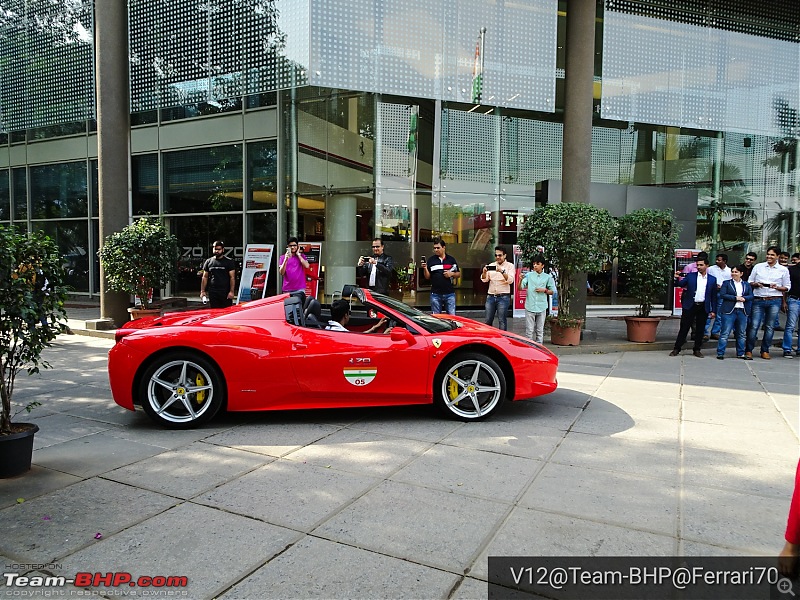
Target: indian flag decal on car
(359, 376)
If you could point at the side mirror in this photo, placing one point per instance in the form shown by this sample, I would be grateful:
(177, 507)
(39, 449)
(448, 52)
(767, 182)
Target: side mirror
(401, 334)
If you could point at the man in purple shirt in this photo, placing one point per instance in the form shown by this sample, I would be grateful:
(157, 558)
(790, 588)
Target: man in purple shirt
(293, 267)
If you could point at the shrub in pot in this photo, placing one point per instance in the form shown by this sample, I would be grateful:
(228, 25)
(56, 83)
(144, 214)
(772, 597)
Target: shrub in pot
(140, 258)
(645, 245)
(574, 236)
(32, 296)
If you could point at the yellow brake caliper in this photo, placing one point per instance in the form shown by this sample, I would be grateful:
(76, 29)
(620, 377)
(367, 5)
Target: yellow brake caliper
(201, 395)
(452, 386)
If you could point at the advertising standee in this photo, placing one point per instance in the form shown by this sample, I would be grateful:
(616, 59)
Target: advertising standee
(255, 272)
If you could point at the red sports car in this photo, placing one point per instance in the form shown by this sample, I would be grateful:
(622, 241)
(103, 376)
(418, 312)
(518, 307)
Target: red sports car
(274, 354)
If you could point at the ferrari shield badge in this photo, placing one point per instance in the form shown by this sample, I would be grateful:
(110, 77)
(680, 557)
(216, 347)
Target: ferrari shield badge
(359, 377)
(437, 342)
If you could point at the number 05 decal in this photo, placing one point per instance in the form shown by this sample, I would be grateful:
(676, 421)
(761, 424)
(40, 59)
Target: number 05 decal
(359, 377)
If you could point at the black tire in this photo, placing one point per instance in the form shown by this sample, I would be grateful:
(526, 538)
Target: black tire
(181, 390)
(469, 386)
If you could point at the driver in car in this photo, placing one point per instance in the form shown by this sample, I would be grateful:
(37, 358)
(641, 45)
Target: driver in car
(340, 316)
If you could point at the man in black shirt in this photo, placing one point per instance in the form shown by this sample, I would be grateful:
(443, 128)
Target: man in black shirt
(219, 279)
(441, 269)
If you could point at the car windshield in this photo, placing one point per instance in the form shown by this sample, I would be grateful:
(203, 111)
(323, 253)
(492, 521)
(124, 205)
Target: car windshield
(422, 320)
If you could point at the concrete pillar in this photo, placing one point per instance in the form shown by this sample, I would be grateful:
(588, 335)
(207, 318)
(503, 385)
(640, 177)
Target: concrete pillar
(113, 114)
(340, 250)
(576, 162)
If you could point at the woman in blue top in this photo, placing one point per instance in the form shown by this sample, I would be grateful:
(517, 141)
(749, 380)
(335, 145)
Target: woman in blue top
(737, 300)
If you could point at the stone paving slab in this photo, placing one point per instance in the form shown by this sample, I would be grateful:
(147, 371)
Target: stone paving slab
(52, 526)
(92, 455)
(650, 504)
(213, 557)
(289, 494)
(471, 472)
(38, 482)
(361, 452)
(529, 532)
(188, 471)
(430, 527)
(316, 568)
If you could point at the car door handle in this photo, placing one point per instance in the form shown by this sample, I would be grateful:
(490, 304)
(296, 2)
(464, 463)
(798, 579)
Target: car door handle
(301, 346)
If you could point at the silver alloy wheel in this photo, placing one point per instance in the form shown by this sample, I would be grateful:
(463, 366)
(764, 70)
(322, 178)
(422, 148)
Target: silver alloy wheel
(471, 388)
(180, 391)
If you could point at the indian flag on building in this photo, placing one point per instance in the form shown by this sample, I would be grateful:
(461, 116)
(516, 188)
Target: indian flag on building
(359, 377)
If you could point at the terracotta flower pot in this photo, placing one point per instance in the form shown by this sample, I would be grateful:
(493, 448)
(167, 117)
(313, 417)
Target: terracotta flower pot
(642, 329)
(565, 336)
(138, 313)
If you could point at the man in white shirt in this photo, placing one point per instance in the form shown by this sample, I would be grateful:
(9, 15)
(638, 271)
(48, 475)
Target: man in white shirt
(769, 281)
(340, 316)
(722, 273)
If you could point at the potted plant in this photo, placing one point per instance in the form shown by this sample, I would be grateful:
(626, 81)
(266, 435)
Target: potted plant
(645, 245)
(574, 236)
(31, 315)
(140, 258)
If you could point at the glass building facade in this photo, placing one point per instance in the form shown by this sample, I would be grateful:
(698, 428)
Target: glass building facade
(343, 120)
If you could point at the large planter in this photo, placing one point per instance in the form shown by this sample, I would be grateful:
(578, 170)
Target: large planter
(138, 313)
(642, 329)
(565, 336)
(16, 451)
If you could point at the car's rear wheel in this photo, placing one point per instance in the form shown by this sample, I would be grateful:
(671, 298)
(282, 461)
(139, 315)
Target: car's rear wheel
(181, 390)
(469, 386)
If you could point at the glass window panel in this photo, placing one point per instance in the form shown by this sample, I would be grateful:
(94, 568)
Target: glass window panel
(59, 191)
(72, 238)
(19, 198)
(203, 180)
(5, 195)
(95, 226)
(195, 235)
(144, 175)
(263, 229)
(679, 71)
(262, 168)
(47, 73)
(95, 188)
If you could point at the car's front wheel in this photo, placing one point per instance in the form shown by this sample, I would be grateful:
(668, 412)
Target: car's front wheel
(181, 390)
(469, 387)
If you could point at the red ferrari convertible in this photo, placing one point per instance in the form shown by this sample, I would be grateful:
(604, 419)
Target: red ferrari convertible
(272, 354)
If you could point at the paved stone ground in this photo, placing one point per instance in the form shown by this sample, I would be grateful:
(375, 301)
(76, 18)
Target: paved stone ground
(636, 453)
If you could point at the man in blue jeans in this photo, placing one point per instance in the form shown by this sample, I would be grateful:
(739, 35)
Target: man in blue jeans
(722, 273)
(769, 280)
(792, 311)
(500, 276)
(441, 269)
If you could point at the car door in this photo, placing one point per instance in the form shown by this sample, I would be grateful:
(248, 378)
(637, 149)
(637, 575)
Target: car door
(347, 367)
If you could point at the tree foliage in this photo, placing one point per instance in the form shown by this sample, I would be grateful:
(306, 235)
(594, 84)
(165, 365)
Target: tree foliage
(575, 236)
(645, 244)
(32, 314)
(141, 257)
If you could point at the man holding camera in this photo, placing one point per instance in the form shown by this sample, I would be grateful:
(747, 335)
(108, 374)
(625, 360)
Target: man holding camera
(500, 275)
(378, 268)
(441, 269)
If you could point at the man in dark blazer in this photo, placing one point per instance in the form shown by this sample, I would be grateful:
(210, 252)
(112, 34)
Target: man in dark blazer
(698, 302)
